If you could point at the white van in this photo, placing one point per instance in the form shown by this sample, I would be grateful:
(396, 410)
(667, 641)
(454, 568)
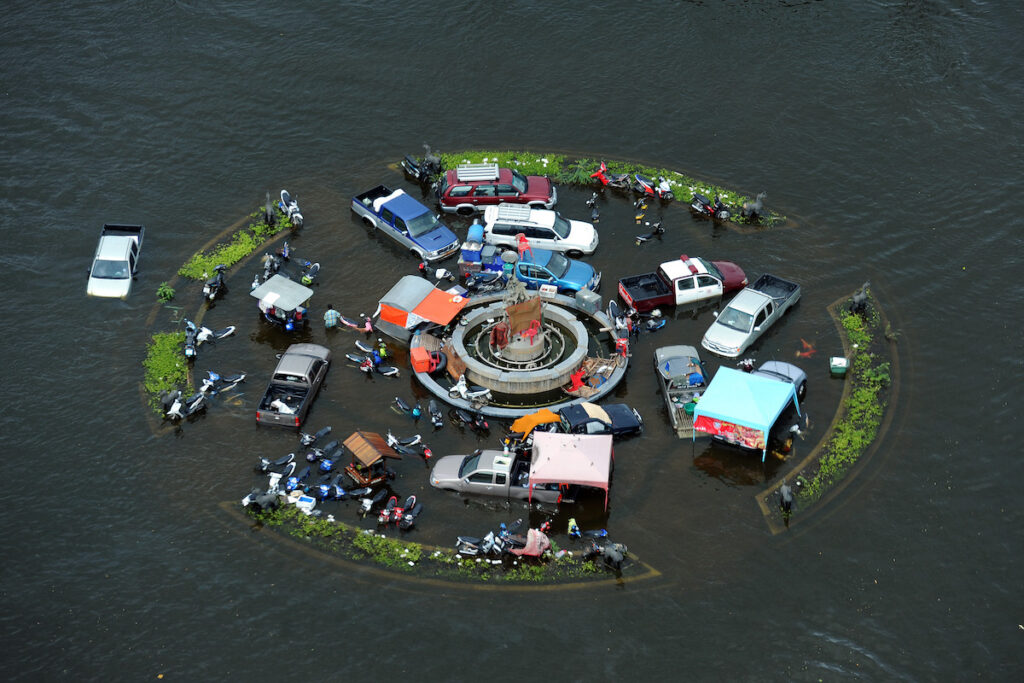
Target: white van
(543, 228)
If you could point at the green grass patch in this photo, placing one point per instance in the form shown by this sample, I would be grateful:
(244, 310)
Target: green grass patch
(568, 171)
(166, 369)
(863, 408)
(387, 549)
(241, 244)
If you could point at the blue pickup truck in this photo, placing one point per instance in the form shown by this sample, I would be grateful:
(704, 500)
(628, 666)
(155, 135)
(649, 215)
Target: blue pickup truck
(406, 221)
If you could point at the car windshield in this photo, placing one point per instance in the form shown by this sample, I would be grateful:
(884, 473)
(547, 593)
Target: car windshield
(737, 320)
(712, 269)
(110, 270)
(421, 224)
(562, 226)
(519, 181)
(558, 265)
(469, 464)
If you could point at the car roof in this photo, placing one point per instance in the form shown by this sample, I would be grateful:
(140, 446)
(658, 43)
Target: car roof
(747, 301)
(299, 357)
(681, 267)
(405, 207)
(114, 248)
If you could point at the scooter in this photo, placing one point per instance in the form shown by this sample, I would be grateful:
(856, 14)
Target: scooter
(293, 482)
(618, 181)
(398, 513)
(422, 171)
(365, 326)
(271, 264)
(475, 421)
(384, 516)
(264, 500)
(310, 439)
(191, 330)
(215, 286)
(717, 211)
(410, 515)
(265, 466)
(367, 504)
(436, 416)
(215, 383)
(328, 451)
(479, 283)
(309, 272)
(645, 186)
(178, 408)
(290, 207)
(473, 394)
(656, 231)
(369, 364)
(613, 554)
(393, 441)
(205, 334)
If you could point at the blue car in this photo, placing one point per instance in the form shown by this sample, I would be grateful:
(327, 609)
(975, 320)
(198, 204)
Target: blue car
(542, 267)
(406, 221)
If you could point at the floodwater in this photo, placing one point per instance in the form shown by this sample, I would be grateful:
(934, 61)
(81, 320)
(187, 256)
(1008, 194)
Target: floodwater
(888, 131)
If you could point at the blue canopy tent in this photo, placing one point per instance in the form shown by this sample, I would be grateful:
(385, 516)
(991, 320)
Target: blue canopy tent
(741, 408)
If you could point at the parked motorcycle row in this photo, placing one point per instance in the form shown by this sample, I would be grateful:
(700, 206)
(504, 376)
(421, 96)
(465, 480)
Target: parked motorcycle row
(319, 482)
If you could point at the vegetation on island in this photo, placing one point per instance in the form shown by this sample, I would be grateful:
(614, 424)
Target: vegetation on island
(577, 171)
(370, 545)
(166, 369)
(862, 410)
(241, 244)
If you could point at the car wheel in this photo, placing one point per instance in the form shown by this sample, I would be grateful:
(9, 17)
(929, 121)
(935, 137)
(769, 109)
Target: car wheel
(369, 222)
(801, 391)
(465, 211)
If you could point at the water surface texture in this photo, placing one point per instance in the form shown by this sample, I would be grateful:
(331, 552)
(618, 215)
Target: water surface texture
(889, 132)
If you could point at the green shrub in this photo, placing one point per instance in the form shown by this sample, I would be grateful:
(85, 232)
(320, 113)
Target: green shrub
(166, 369)
(164, 292)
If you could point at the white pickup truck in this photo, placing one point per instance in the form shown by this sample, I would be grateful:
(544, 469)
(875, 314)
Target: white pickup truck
(749, 314)
(116, 261)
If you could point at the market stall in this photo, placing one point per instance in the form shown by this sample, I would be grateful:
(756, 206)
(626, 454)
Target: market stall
(741, 408)
(412, 301)
(581, 459)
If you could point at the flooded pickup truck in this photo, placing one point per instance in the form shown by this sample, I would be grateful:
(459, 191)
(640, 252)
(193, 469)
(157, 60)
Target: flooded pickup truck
(492, 473)
(294, 385)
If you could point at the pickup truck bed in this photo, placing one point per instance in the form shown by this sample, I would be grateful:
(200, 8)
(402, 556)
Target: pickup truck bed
(645, 292)
(775, 287)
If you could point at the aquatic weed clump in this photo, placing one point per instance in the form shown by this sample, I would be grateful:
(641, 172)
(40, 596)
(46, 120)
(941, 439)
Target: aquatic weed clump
(165, 366)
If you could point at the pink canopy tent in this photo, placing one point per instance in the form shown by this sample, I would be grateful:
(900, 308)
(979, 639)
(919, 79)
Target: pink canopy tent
(583, 459)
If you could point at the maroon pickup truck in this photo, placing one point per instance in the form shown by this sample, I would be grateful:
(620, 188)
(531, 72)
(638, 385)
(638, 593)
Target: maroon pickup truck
(682, 281)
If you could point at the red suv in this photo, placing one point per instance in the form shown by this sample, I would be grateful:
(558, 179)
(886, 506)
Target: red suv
(471, 187)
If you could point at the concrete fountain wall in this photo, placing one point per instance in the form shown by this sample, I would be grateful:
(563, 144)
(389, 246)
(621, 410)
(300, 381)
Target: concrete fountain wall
(521, 381)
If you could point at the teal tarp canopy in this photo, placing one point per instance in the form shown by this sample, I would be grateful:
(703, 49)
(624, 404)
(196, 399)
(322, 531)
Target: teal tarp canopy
(745, 399)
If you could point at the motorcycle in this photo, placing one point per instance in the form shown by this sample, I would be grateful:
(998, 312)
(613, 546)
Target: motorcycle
(191, 330)
(215, 286)
(473, 394)
(384, 516)
(481, 283)
(370, 364)
(309, 272)
(474, 421)
(293, 482)
(645, 186)
(367, 504)
(422, 171)
(310, 439)
(205, 334)
(214, 383)
(271, 264)
(265, 466)
(290, 207)
(365, 326)
(409, 517)
(618, 181)
(613, 554)
(405, 443)
(328, 451)
(178, 408)
(717, 211)
(656, 231)
(398, 513)
(264, 500)
(436, 416)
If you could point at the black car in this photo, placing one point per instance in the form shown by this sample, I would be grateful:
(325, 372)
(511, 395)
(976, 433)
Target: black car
(616, 419)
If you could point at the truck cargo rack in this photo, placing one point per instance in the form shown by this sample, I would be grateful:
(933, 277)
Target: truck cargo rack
(470, 172)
